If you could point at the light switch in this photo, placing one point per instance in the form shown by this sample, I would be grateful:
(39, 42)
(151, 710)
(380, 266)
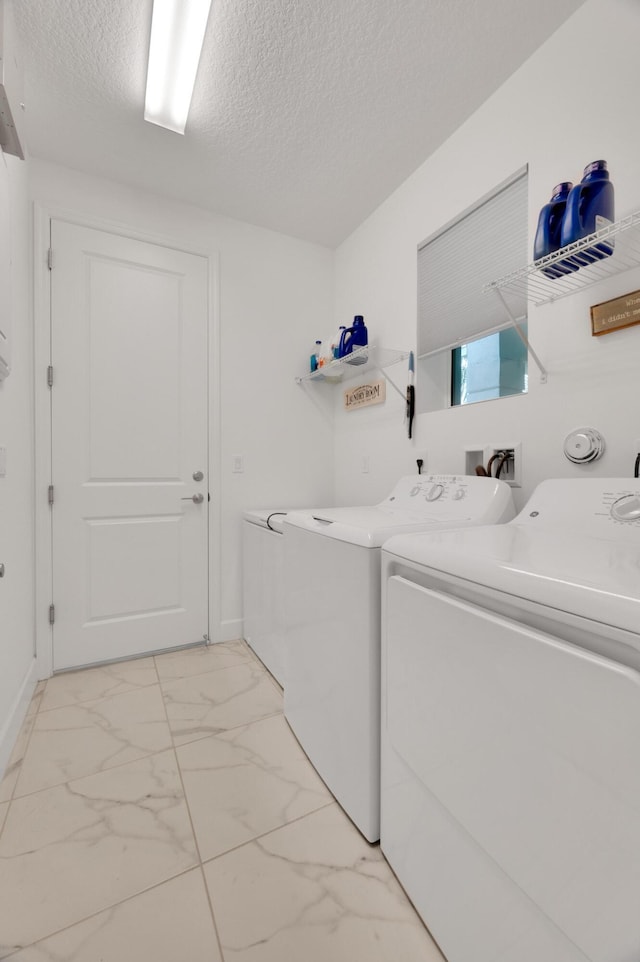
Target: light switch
(3, 462)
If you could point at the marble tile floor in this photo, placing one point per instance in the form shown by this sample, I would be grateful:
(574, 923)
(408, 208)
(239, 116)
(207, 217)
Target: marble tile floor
(160, 809)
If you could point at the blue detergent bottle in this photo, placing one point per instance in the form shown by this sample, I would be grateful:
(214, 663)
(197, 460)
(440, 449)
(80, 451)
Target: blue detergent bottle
(549, 229)
(590, 207)
(352, 338)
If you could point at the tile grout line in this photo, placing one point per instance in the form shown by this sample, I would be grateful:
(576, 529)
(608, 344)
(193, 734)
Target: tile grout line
(248, 841)
(196, 866)
(193, 831)
(212, 911)
(106, 908)
(100, 771)
(150, 754)
(255, 721)
(221, 731)
(173, 748)
(135, 686)
(270, 831)
(79, 671)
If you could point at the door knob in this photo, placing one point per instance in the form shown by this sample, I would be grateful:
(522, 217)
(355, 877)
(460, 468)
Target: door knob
(197, 475)
(196, 498)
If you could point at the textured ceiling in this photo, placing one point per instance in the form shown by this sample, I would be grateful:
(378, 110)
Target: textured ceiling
(306, 114)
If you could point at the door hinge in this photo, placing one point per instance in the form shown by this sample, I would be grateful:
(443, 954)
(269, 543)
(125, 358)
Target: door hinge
(52, 614)
(50, 375)
(50, 494)
(50, 259)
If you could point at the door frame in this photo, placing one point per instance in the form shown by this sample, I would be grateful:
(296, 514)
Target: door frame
(43, 215)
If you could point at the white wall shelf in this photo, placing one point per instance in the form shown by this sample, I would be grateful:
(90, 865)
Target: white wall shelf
(624, 235)
(533, 283)
(359, 362)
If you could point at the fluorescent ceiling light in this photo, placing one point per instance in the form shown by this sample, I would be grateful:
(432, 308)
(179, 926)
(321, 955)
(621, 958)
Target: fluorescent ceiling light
(177, 34)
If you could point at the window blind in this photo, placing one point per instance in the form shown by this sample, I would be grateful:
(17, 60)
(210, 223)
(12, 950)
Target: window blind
(455, 264)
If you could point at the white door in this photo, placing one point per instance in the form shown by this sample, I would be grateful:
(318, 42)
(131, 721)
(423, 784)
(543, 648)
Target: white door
(129, 446)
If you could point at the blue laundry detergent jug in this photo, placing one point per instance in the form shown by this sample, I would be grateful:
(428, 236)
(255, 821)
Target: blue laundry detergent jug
(549, 229)
(590, 206)
(352, 338)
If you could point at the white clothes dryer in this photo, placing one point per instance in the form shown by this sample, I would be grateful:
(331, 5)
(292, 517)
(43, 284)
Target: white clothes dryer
(510, 782)
(332, 576)
(263, 587)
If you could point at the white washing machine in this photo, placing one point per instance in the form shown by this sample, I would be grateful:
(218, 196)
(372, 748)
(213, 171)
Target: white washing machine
(511, 728)
(332, 575)
(263, 587)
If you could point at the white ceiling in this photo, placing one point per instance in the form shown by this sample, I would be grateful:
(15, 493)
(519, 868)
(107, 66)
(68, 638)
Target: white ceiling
(307, 113)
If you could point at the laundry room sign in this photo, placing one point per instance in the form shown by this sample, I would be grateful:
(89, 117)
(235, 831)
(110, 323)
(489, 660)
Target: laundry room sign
(364, 395)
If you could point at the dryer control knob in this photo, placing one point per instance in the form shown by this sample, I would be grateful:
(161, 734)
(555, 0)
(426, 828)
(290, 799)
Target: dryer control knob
(626, 508)
(434, 492)
(458, 495)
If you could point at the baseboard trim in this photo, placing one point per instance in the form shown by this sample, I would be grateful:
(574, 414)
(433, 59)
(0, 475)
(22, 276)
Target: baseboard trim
(11, 728)
(230, 630)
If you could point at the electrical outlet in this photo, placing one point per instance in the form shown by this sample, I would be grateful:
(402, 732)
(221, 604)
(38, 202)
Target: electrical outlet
(511, 468)
(237, 463)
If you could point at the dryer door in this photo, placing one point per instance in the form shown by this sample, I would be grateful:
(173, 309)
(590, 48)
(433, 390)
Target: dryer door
(525, 750)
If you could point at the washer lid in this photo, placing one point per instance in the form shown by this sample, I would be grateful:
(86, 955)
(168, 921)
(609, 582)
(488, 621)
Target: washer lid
(417, 503)
(595, 578)
(370, 527)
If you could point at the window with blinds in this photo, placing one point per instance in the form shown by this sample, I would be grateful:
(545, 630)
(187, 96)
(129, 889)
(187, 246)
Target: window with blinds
(454, 266)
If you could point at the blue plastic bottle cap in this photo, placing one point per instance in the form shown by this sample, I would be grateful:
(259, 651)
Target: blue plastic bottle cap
(566, 185)
(595, 165)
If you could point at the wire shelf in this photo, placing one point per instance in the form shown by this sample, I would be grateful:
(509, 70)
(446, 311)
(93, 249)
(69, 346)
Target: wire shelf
(531, 282)
(360, 361)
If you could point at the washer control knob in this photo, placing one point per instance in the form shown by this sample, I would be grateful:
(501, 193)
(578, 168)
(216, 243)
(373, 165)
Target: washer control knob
(434, 492)
(626, 508)
(458, 495)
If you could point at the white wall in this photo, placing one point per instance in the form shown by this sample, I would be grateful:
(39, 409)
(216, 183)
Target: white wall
(17, 665)
(274, 294)
(573, 102)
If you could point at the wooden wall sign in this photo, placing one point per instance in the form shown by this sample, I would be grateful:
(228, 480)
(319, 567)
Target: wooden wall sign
(364, 395)
(616, 314)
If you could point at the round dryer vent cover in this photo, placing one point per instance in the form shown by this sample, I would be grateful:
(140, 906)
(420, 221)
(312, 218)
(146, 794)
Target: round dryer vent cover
(584, 445)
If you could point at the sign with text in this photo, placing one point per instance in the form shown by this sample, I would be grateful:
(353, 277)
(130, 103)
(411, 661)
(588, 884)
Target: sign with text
(616, 314)
(364, 395)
